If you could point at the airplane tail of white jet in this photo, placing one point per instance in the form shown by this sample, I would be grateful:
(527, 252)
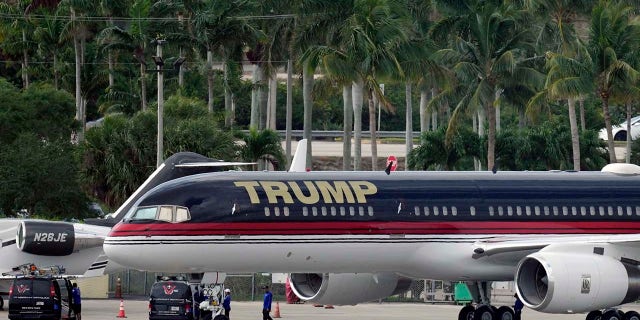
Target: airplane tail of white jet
(299, 162)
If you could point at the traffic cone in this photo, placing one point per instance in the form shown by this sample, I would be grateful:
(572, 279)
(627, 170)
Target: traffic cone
(276, 311)
(121, 312)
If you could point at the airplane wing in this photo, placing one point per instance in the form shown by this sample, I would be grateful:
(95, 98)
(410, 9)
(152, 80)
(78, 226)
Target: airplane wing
(526, 244)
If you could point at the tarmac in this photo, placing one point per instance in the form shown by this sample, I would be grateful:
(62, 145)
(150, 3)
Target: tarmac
(108, 309)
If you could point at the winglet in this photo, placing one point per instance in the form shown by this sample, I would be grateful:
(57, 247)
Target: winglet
(299, 162)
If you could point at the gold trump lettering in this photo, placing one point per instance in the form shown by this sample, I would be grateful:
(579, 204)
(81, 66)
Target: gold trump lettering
(309, 192)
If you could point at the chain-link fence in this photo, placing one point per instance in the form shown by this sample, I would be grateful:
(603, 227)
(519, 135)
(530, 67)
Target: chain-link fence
(247, 287)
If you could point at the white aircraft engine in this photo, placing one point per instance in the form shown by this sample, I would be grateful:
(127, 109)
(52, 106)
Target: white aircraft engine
(346, 288)
(565, 282)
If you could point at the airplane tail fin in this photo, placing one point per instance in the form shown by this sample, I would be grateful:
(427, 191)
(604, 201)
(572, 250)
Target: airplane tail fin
(179, 165)
(299, 162)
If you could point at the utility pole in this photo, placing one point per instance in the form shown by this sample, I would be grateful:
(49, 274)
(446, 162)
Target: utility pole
(159, 64)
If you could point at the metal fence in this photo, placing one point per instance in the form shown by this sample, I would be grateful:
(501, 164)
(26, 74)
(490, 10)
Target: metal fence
(247, 287)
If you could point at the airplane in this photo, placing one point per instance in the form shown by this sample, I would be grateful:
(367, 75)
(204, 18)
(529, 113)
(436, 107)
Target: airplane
(77, 247)
(569, 240)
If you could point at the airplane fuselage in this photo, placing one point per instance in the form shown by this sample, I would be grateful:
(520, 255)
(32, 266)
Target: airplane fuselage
(418, 224)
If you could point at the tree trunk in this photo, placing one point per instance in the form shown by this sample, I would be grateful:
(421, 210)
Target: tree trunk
(372, 131)
(424, 120)
(522, 120)
(228, 113)
(160, 140)
(263, 99)
(289, 110)
(491, 138)
(607, 123)
(25, 62)
(583, 125)
(497, 106)
(307, 90)
(181, 72)
(78, 57)
(255, 116)
(628, 149)
(409, 123)
(111, 71)
(575, 135)
(272, 98)
(357, 96)
(56, 76)
(143, 86)
(347, 126)
(210, 81)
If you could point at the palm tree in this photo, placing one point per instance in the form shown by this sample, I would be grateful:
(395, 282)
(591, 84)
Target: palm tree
(434, 152)
(133, 40)
(48, 34)
(614, 39)
(262, 145)
(566, 80)
(15, 32)
(490, 45)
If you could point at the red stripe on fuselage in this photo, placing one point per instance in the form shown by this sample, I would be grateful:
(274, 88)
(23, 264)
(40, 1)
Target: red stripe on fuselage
(381, 228)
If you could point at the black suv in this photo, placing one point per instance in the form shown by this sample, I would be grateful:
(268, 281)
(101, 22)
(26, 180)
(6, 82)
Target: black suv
(171, 300)
(33, 297)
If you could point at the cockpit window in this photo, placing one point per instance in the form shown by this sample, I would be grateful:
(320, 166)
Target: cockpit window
(165, 214)
(171, 214)
(145, 213)
(182, 214)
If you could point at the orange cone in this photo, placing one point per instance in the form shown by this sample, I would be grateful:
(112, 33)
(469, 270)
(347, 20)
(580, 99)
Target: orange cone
(121, 312)
(276, 311)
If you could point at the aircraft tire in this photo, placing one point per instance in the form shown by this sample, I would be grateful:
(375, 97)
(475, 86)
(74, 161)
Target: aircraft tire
(466, 313)
(594, 315)
(220, 317)
(484, 313)
(505, 313)
(631, 315)
(611, 315)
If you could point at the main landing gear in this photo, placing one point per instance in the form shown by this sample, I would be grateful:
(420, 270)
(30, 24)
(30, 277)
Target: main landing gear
(612, 314)
(483, 310)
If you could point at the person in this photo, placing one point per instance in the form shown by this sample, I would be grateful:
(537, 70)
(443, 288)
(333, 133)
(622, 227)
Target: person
(517, 307)
(76, 304)
(266, 305)
(197, 299)
(226, 303)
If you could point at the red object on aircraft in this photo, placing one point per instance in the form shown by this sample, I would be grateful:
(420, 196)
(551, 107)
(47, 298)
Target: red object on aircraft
(291, 297)
(394, 162)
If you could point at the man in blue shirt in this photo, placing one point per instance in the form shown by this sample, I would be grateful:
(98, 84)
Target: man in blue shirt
(76, 304)
(517, 307)
(226, 303)
(266, 306)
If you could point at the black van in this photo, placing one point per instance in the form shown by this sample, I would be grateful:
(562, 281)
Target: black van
(34, 297)
(171, 299)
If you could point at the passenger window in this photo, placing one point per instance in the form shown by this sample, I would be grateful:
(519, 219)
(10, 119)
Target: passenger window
(352, 211)
(145, 213)
(370, 208)
(305, 211)
(324, 211)
(537, 209)
(445, 211)
(343, 211)
(333, 211)
(509, 211)
(490, 210)
(574, 211)
(519, 210)
(454, 211)
(620, 211)
(276, 211)
(286, 211)
(555, 211)
(601, 210)
(546, 210)
(435, 211)
(629, 211)
(528, 210)
(361, 211)
(416, 210)
(637, 211)
(500, 210)
(426, 211)
(473, 210)
(182, 214)
(266, 211)
(314, 211)
(165, 214)
(610, 210)
(583, 211)
(592, 210)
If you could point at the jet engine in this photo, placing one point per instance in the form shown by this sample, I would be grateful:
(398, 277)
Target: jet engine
(346, 288)
(566, 282)
(46, 238)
